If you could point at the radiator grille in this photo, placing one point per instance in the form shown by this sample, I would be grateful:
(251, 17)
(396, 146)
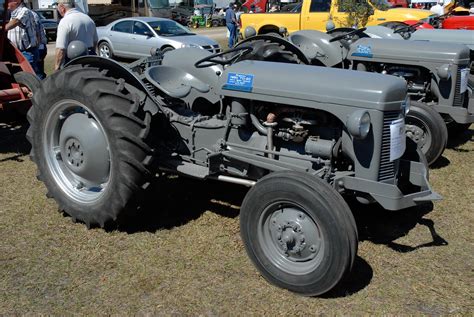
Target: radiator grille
(212, 48)
(458, 97)
(387, 168)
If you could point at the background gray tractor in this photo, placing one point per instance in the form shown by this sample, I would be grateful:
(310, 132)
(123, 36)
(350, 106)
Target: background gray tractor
(435, 74)
(402, 31)
(100, 131)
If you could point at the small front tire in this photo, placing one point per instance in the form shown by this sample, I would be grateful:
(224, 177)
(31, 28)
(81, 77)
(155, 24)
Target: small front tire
(426, 127)
(299, 232)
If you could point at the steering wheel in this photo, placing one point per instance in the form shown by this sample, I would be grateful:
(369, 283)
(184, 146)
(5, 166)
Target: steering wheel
(408, 28)
(348, 34)
(215, 59)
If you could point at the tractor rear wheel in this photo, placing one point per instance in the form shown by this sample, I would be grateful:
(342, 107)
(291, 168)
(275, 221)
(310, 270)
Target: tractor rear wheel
(426, 127)
(299, 232)
(89, 135)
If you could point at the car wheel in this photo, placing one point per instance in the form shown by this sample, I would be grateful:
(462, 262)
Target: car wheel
(426, 127)
(105, 50)
(299, 232)
(167, 49)
(215, 23)
(89, 140)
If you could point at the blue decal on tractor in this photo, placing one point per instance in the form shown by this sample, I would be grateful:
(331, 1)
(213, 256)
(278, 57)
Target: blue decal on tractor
(239, 82)
(363, 51)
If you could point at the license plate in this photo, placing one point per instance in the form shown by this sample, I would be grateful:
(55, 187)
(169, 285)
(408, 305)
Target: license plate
(397, 139)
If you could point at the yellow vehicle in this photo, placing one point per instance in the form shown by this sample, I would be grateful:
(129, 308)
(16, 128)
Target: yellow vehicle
(313, 14)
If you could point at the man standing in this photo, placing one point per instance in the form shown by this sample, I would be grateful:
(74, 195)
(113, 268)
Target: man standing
(74, 26)
(42, 48)
(22, 32)
(231, 22)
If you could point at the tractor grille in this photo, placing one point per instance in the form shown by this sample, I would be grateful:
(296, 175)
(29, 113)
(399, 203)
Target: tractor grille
(458, 97)
(212, 48)
(387, 168)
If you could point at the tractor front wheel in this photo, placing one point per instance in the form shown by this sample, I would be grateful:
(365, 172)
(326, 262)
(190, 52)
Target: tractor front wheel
(426, 127)
(299, 232)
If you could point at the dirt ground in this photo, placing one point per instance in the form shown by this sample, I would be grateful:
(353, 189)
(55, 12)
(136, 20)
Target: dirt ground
(183, 254)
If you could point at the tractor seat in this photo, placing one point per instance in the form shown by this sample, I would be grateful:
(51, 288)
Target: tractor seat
(174, 82)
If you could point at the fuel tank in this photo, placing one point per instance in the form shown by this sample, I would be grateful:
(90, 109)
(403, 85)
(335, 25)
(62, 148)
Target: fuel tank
(305, 85)
(382, 32)
(408, 52)
(465, 37)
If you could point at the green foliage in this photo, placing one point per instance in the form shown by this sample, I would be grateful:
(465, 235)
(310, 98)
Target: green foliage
(358, 12)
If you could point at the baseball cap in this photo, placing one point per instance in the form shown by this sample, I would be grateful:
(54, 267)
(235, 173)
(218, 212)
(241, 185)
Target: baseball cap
(70, 2)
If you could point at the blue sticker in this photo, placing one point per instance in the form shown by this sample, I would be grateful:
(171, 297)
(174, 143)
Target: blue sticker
(363, 51)
(239, 82)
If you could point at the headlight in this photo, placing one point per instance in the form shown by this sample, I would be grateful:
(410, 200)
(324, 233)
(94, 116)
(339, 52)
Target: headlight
(358, 124)
(190, 45)
(444, 71)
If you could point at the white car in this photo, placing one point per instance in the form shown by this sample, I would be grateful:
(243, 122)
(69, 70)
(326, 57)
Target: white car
(135, 37)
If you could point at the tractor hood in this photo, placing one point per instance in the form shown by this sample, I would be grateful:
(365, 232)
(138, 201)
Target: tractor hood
(381, 32)
(271, 82)
(397, 51)
(465, 37)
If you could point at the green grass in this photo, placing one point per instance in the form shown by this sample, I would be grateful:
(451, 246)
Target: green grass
(183, 254)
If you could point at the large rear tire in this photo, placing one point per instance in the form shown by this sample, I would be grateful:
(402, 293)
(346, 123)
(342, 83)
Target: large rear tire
(28, 80)
(89, 136)
(299, 232)
(427, 128)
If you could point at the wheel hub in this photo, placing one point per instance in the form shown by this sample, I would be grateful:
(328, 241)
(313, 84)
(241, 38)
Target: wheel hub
(75, 155)
(295, 235)
(84, 149)
(416, 134)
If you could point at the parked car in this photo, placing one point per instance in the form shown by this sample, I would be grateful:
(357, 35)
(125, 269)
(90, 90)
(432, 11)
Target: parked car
(50, 26)
(134, 37)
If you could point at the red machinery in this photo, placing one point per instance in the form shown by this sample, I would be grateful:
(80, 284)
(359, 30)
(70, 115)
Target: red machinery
(17, 79)
(457, 21)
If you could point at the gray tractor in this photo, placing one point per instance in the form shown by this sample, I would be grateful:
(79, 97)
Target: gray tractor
(436, 74)
(101, 131)
(402, 31)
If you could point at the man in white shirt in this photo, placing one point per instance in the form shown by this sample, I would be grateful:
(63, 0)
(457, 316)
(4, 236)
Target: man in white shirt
(74, 26)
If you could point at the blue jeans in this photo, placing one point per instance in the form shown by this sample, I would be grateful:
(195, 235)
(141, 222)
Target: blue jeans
(233, 33)
(32, 56)
(42, 52)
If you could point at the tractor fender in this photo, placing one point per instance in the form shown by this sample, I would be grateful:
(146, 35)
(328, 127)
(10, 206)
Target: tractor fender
(116, 70)
(316, 46)
(287, 46)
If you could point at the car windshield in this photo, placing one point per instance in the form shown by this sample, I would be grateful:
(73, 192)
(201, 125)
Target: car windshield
(159, 4)
(40, 15)
(201, 2)
(169, 28)
(381, 4)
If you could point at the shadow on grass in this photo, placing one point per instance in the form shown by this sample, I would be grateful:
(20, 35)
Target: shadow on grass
(440, 163)
(356, 280)
(13, 138)
(174, 201)
(460, 139)
(384, 227)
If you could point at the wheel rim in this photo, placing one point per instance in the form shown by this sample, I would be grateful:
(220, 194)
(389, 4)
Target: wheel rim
(417, 130)
(77, 151)
(104, 51)
(290, 238)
